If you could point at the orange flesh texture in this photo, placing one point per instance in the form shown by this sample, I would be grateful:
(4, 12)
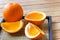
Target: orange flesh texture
(11, 26)
(33, 30)
(35, 16)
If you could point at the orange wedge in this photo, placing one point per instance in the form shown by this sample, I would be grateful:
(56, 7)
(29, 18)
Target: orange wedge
(12, 27)
(35, 17)
(32, 31)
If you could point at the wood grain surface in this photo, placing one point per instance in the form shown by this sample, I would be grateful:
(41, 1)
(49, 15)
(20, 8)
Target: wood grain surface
(50, 7)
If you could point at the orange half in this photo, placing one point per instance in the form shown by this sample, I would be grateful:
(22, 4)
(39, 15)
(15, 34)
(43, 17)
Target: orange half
(12, 27)
(35, 17)
(33, 31)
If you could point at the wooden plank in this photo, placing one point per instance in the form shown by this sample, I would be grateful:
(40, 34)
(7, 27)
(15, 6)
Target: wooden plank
(56, 34)
(35, 1)
(56, 19)
(56, 31)
(39, 1)
(56, 39)
(50, 8)
(56, 26)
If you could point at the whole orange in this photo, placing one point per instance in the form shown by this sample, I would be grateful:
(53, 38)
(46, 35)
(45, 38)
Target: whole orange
(12, 12)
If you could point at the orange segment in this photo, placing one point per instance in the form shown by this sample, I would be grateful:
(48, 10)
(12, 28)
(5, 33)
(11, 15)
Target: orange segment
(33, 31)
(9, 27)
(35, 17)
(12, 27)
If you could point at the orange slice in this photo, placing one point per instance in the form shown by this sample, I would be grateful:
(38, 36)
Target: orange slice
(35, 17)
(33, 31)
(12, 27)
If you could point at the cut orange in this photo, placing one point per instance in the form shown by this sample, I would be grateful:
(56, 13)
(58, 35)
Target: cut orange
(32, 31)
(35, 17)
(12, 27)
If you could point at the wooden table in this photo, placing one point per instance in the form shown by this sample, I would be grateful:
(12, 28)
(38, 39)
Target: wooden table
(50, 7)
